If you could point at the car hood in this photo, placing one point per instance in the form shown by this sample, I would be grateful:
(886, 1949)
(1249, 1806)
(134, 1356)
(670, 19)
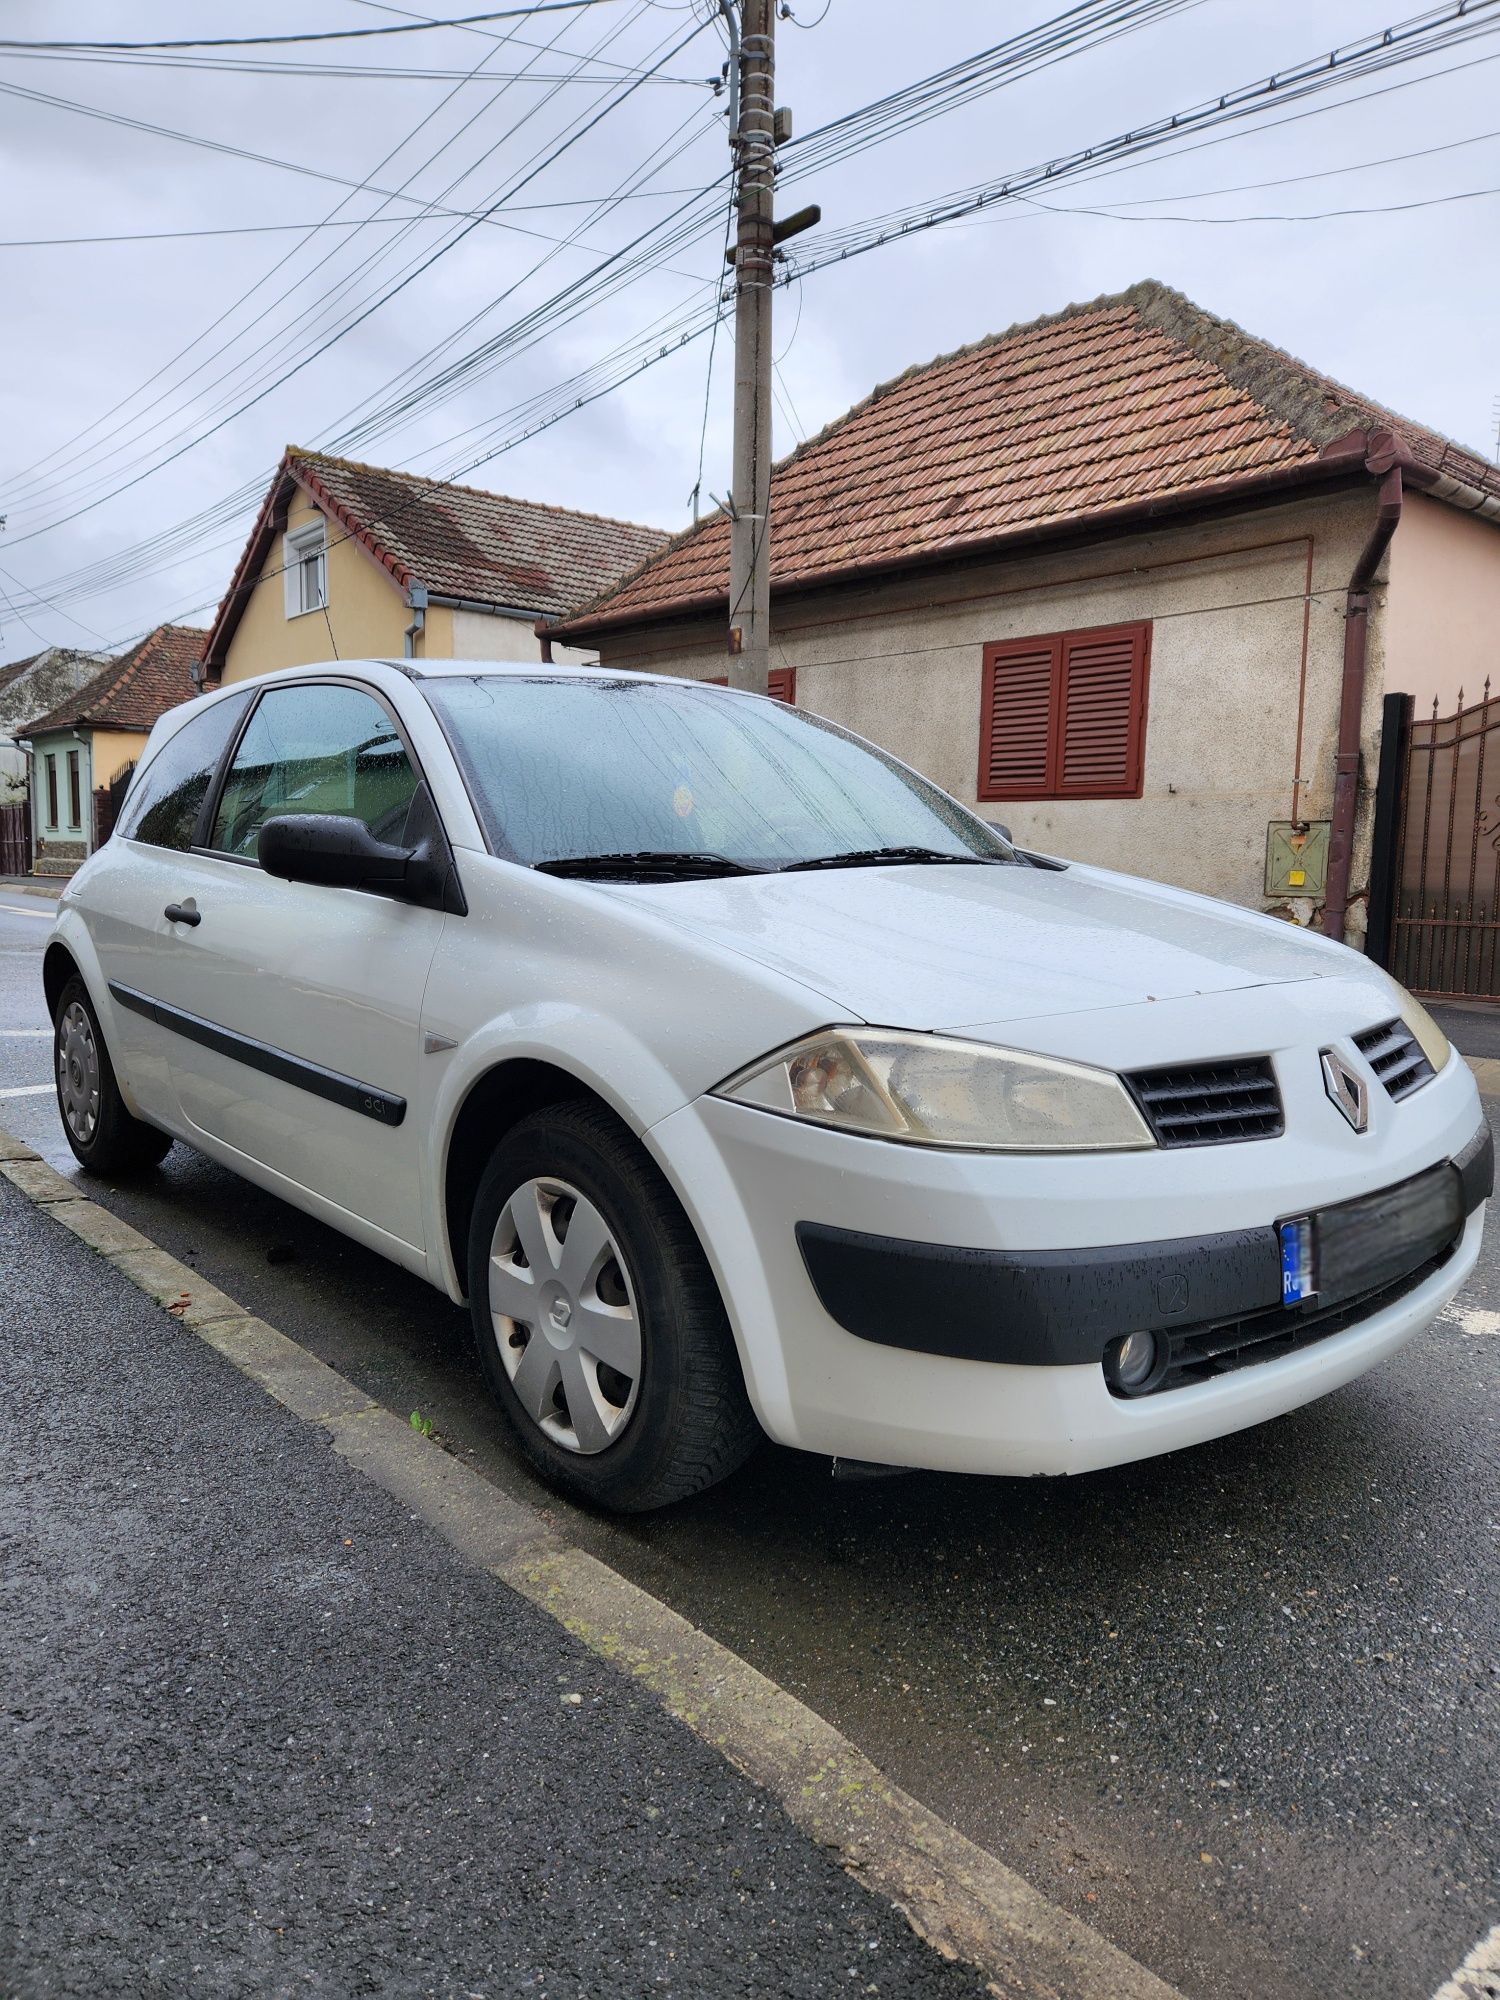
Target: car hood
(950, 947)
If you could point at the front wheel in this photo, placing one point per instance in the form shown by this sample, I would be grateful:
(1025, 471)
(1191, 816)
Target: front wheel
(599, 1325)
(105, 1136)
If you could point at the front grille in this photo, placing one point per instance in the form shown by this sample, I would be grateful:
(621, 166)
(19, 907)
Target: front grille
(1396, 1057)
(1209, 1104)
(1201, 1352)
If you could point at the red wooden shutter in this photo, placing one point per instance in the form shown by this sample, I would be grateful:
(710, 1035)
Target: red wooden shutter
(781, 684)
(1064, 715)
(1018, 722)
(1103, 713)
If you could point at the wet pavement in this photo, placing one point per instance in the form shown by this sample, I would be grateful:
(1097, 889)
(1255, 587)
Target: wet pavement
(1239, 1707)
(267, 1734)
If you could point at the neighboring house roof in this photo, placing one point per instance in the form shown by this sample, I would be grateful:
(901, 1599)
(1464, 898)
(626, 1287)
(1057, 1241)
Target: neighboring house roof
(41, 682)
(1133, 399)
(134, 690)
(482, 549)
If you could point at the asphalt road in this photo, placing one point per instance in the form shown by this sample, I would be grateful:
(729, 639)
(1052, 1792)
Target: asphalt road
(267, 1735)
(1239, 1708)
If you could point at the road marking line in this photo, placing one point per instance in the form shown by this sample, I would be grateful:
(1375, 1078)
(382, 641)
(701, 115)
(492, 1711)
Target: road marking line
(954, 1893)
(1471, 1319)
(1478, 1978)
(16, 911)
(29, 1090)
(18, 1032)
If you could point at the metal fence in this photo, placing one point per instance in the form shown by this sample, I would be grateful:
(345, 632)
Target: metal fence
(1445, 918)
(15, 840)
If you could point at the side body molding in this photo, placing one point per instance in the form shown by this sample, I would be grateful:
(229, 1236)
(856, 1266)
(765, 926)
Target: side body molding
(366, 1098)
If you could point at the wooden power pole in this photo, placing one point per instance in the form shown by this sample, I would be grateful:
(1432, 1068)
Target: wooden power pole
(750, 490)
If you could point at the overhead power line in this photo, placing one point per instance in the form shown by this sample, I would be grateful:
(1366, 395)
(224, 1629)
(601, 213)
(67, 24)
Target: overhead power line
(323, 35)
(1442, 28)
(282, 365)
(432, 214)
(1460, 22)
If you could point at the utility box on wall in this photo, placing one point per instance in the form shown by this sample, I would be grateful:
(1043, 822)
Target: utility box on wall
(1297, 858)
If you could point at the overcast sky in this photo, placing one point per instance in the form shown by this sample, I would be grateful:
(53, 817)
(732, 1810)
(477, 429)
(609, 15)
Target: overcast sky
(112, 351)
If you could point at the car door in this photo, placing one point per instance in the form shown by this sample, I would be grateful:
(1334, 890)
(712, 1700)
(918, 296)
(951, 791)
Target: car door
(301, 1038)
(142, 874)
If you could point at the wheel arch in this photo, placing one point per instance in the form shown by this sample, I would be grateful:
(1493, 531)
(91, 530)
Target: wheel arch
(58, 967)
(495, 1102)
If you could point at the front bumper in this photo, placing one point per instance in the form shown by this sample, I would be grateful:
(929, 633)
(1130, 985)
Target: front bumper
(748, 1178)
(1214, 1300)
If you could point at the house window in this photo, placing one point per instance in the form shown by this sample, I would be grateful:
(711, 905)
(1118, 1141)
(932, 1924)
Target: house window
(306, 573)
(75, 795)
(1064, 715)
(52, 819)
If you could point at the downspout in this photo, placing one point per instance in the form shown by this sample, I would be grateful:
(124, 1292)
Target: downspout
(1384, 460)
(416, 597)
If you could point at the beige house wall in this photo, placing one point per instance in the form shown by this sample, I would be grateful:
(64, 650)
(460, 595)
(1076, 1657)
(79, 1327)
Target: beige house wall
(112, 750)
(1229, 602)
(1443, 621)
(365, 615)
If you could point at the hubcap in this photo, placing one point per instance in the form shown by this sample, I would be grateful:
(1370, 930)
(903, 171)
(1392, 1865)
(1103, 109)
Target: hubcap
(78, 1072)
(564, 1316)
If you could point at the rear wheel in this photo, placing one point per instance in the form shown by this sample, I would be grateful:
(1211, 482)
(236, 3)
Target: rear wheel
(105, 1136)
(599, 1325)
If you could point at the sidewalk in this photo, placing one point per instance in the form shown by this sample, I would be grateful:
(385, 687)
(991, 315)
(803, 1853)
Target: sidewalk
(33, 885)
(270, 1735)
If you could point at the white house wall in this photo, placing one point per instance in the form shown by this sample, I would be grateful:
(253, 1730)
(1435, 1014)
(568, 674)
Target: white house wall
(479, 635)
(901, 663)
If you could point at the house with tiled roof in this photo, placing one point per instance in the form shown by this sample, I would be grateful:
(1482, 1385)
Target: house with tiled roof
(85, 746)
(350, 561)
(1125, 578)
(26, 688)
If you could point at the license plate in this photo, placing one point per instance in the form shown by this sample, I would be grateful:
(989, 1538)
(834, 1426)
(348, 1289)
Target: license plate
(1297, 1280)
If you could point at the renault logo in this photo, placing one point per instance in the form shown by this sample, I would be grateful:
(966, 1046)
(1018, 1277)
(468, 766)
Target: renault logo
(1348, 1090)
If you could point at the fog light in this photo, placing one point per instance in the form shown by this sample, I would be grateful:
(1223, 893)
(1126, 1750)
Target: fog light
(1130, 1362)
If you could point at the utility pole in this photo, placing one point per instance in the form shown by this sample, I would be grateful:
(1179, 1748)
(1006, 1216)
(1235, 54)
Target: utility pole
(754, 141)
(756, 129)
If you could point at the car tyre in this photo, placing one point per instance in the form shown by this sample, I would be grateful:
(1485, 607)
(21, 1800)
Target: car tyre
(667, 1425)
(104, 1134)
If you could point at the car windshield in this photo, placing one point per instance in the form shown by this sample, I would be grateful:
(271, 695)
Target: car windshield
(665, 780)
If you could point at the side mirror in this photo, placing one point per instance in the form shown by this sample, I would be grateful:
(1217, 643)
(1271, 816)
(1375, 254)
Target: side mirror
(995, 826)
(333, 849)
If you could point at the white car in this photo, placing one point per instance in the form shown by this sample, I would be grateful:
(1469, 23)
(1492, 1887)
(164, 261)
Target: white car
(743, 1081)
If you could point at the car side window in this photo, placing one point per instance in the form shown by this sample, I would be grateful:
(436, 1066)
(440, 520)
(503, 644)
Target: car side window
(314, 748)
(168, 791)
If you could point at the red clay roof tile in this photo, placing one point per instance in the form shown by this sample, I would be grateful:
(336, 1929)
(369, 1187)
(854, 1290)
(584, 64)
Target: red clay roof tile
(1135, 397)
(136, 689)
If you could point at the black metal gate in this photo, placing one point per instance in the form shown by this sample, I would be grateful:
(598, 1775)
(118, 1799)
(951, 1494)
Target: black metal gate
(1435, 874)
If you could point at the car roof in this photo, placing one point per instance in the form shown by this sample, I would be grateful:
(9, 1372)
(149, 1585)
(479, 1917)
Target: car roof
(425, 670)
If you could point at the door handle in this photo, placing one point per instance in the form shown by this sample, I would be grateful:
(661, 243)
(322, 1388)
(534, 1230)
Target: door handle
(183, 913)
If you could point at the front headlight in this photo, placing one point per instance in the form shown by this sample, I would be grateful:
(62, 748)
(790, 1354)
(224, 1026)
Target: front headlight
(1430, 1038)
(932, 1091)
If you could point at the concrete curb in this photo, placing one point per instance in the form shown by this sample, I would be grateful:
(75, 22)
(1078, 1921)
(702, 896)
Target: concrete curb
(13, 888)
(1486, 1074)
(954, 1893)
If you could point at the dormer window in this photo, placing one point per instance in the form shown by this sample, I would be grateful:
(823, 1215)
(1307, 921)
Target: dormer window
(306, 573)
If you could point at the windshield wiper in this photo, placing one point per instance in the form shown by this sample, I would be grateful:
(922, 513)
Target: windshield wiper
(872, 857)
(645, 866)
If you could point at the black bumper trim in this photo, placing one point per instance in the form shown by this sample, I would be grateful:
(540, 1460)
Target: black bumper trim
(1061, 1308)
(365, 1098)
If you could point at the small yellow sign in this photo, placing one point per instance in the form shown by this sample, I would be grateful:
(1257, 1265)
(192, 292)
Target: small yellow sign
(1296, 877)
